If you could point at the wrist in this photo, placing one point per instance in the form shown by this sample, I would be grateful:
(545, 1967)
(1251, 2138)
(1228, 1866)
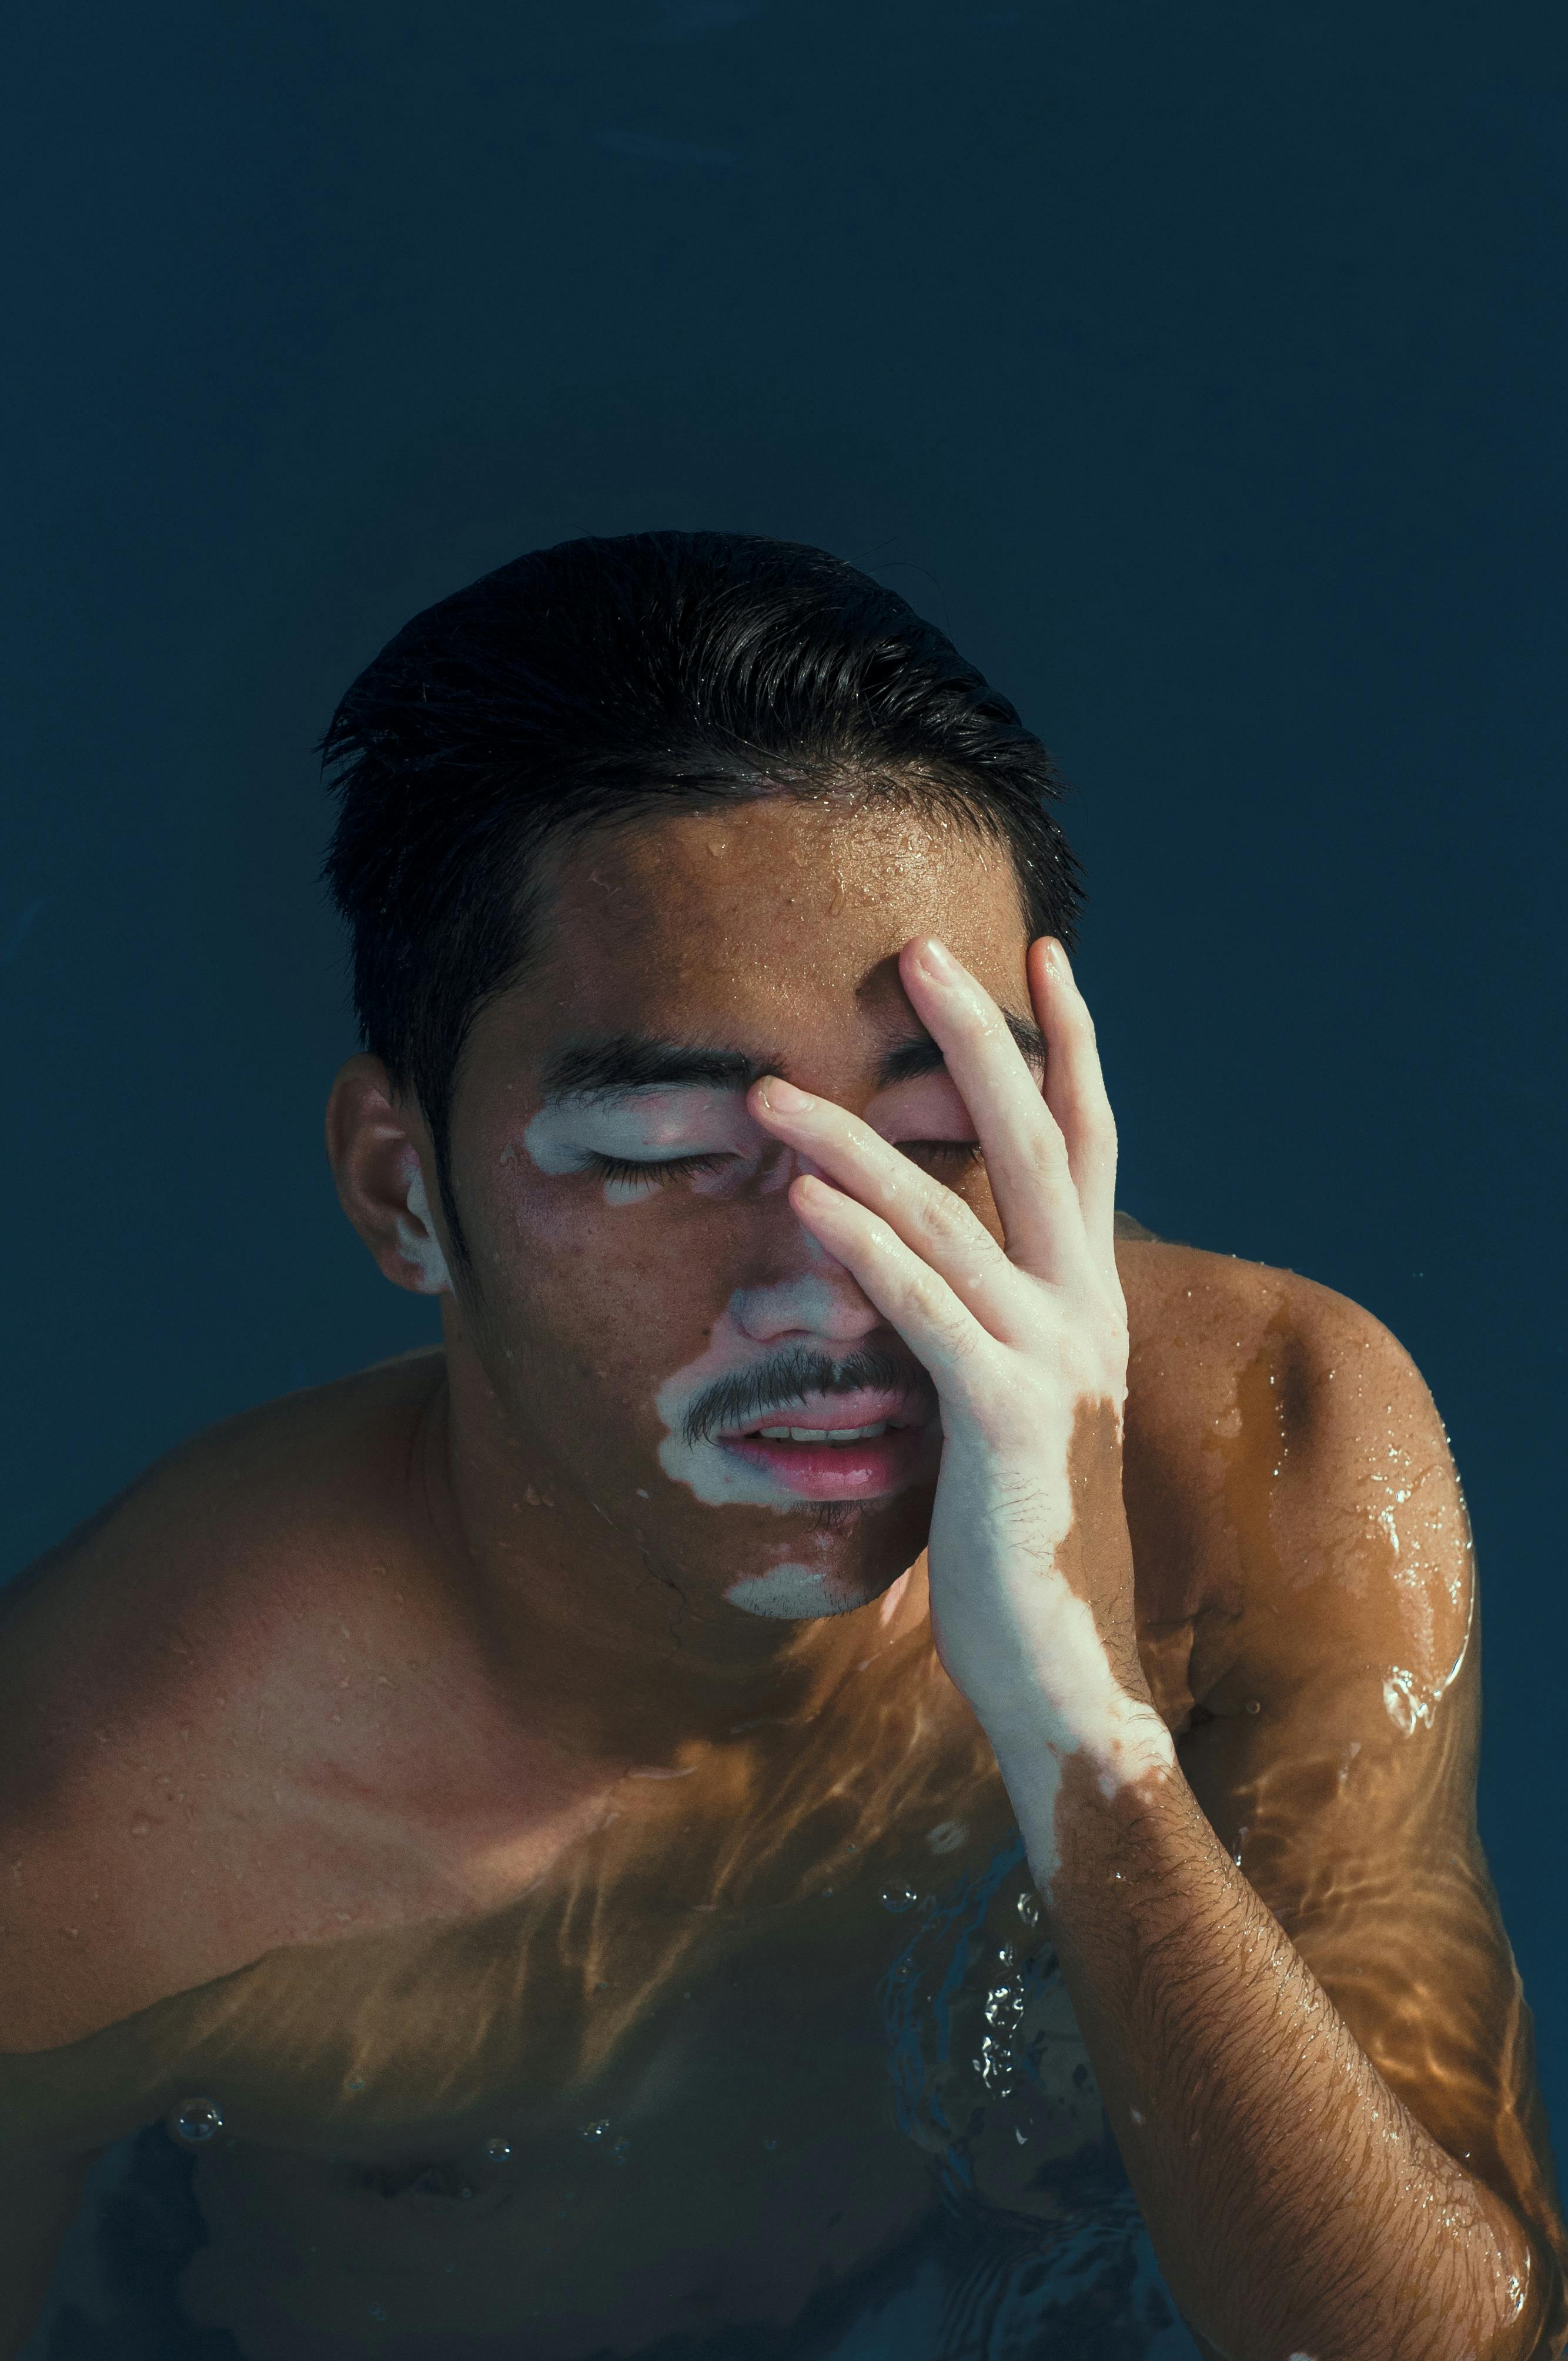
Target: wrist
(1079, 1774)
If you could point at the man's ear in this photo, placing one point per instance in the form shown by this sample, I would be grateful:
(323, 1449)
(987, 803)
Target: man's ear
(379, 1152)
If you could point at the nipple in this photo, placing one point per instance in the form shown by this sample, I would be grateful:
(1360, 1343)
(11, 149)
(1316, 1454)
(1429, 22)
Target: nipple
(196, 2121)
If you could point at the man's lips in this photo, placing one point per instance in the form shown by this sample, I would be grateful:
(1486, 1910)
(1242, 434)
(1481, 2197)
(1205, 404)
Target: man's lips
(818, 1468)
(832, 1413)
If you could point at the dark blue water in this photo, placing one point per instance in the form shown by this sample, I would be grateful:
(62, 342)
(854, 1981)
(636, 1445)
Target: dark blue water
(1201, 370)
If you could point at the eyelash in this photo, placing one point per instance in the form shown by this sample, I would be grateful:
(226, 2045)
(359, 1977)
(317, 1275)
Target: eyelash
(678, 1167)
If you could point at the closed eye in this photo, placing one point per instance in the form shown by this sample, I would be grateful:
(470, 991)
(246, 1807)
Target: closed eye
(675, 1168)
(669, 1169)
(967, 1148)
(680, 1168)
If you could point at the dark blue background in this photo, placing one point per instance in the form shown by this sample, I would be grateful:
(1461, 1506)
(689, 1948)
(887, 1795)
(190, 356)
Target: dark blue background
(1201, 369)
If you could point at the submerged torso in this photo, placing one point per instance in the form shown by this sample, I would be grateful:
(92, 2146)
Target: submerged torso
(750, 2098)
(770, 2059)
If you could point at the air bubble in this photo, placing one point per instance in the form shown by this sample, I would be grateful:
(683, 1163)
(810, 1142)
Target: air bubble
(1029, 1909)
(899, 1897)
(197, 2121)
(596, 2131)
(498, 2149)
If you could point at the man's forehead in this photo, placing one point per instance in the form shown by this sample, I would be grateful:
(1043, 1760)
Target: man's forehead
(833, 878)
(669, 962)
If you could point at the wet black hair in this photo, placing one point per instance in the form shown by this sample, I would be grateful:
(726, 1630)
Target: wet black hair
(607, 680)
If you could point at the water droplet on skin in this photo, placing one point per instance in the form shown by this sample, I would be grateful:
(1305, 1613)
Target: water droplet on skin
(946, 1836)
(1029, 1909)
(1253, 1704)
(498, 2149)
(197, 2121)
(899, 1897)
(141, 1827)
(1137, 2114)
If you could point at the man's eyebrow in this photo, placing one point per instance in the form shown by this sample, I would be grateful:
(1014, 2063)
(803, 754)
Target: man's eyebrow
(588, 1072)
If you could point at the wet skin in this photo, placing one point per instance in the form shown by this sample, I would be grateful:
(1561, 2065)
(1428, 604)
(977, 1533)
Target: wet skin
(446, 1755)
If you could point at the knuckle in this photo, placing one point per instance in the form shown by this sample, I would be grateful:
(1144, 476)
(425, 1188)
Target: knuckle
(1047, 1151)
(947, 1221)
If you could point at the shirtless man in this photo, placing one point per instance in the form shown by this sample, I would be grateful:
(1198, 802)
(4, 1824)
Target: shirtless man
(584, 1871)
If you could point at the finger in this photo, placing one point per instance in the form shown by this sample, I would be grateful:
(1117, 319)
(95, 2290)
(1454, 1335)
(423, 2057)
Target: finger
(912, 1298)
(929, 1219)
(1075, 1091)
(1026, 1155)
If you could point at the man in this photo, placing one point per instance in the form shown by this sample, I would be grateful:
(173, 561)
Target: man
(775, 1793)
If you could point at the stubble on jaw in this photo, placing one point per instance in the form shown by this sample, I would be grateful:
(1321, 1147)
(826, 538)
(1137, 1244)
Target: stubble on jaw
(833, 1516)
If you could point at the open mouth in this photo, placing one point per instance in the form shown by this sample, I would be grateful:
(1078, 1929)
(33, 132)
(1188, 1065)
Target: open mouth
(837, 1463)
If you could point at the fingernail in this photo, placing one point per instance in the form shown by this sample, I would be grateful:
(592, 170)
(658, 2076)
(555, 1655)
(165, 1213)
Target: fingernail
(937, 959)
(781, 1098)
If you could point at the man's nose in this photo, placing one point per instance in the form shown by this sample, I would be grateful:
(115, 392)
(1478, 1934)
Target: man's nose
(806, 1292)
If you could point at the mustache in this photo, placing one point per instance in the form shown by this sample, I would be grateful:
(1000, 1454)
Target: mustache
(790, 1377)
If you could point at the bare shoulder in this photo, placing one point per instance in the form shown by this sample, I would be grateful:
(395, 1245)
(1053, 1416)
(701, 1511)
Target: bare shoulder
(1210, 1320)
(1285, 1464)
(181, 1681)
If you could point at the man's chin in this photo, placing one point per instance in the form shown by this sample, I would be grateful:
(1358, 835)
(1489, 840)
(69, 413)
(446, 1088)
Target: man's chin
(792, 1592)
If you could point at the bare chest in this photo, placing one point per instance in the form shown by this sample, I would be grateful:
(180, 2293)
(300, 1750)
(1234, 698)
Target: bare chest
(742, 2101)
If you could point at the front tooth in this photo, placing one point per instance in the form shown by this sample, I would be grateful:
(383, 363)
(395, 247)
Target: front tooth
(821, 1433)
(836, 1433)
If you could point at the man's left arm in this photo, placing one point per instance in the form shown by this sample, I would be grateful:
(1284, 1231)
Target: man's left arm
(1285, 2095)
(1287, 1963)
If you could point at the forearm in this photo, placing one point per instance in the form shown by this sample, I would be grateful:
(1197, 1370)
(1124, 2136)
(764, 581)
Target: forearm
(1295, 2204)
